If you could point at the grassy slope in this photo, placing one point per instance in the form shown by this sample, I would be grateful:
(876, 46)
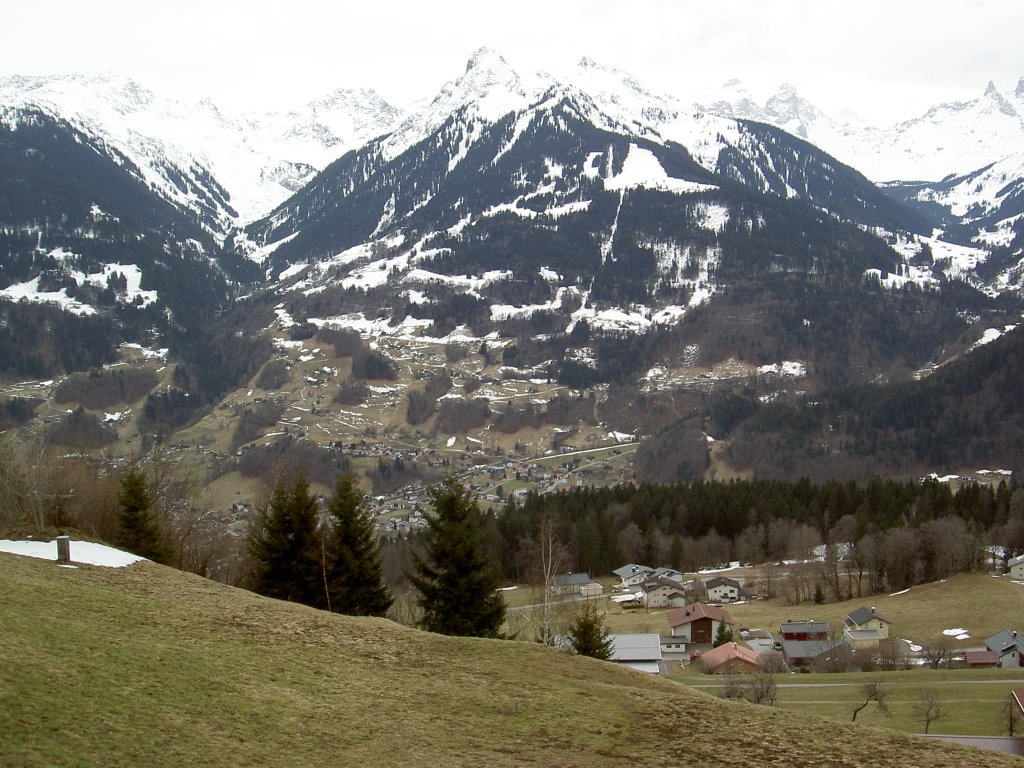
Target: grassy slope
(148, 666)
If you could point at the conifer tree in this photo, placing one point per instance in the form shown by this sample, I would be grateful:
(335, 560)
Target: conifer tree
(588, 634)
(286, 552)
(457, 585)
(723, 634)
(137, 530)
(353, 563)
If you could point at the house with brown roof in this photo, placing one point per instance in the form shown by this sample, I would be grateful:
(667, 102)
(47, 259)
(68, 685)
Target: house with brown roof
(730, 659)
(663, 593)
(697, 623)
(981, 659)
(722, 589)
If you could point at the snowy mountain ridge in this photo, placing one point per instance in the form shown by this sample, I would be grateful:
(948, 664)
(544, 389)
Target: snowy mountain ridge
(260, 159)
(949, 139)
(183, 146)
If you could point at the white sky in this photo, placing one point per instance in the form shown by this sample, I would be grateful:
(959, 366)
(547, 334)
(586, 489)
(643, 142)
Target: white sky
(882, 59)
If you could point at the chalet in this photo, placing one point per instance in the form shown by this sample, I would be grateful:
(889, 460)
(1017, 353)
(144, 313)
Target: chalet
(1016, 568)
(865, 628)
(640, 651)
(730, 659)
(633, 574)
(1009, 646)
(698, 623)
(722, 589)
(804, 629)
(663, 593)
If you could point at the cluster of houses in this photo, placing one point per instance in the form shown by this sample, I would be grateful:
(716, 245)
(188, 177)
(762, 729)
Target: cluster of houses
(646, 587)
(698, 621)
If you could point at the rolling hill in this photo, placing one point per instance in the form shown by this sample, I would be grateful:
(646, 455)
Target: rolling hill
(148, 666)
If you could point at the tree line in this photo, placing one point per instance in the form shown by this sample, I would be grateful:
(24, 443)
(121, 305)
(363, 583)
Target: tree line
(860, 538)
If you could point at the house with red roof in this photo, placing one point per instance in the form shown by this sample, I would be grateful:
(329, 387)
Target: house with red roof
(731, 659)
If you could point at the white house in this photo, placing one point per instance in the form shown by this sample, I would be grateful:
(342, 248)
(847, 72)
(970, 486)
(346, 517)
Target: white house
(663, 593)
(1016, 566)
(633, 574)
(722, 589)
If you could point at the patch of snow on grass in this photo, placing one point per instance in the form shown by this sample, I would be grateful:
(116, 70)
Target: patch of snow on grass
(81, 552)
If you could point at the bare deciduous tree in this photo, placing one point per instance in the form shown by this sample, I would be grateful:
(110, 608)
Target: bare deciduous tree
(1012, 715)
(937, 651)
(872, 691)
(927, 708)
(759, 688)
(551, 559)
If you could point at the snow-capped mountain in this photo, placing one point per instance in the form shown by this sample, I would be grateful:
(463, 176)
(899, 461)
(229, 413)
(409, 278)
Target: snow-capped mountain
(951, 139)
(228, 168)
(511, 197)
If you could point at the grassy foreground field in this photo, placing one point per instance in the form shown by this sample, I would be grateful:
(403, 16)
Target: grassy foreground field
(972, 699)
(148, 666)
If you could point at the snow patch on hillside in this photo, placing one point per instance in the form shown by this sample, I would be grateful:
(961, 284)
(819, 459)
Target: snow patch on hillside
(85, 552)
(642, 169)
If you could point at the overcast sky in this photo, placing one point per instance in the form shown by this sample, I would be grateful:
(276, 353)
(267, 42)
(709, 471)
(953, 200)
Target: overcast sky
(882, 59)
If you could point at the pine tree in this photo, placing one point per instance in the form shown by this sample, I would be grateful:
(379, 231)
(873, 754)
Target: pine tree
(353, 562)
(723, 634)
(588, 634)
(457, 585)
(137, 530)
(286, 551)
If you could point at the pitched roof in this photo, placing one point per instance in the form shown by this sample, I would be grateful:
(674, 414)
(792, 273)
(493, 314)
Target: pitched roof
(803, 626)
(679, 616)
(631, 570)
(978, 658)
(1008, 745)
(716, 581)
(636, 647)
(726, 652)
(667, 573)
(862, 635)
(808, 649)
(1016, 561)
(572, 579)
(1004, 641)
(863, 616)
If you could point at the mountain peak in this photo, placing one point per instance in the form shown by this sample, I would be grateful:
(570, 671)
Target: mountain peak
(485, 58)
